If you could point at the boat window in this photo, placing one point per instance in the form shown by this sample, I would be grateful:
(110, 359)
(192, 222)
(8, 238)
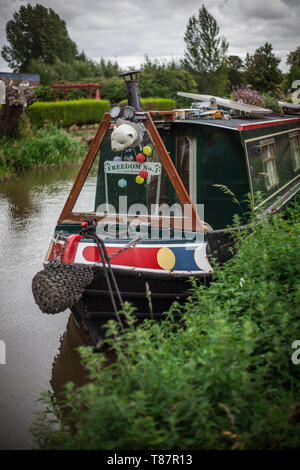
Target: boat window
(119, 175)
(86, 200)
(295, 150)
(113, 175)
(186, 161)
(268, 154)
(114, 186)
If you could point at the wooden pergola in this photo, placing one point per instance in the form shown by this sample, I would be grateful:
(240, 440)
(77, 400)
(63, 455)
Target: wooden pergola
(69, 86)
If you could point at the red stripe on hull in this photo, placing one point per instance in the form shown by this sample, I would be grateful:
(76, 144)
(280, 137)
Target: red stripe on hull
(139, 257)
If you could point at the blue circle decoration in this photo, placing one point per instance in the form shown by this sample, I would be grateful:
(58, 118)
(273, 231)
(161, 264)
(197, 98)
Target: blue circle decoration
(122, 183)
(117, 159)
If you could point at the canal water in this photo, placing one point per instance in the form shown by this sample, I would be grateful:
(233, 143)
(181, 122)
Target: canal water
(40, 349)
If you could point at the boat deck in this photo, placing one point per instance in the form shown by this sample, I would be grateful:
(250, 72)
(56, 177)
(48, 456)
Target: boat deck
(240, 124)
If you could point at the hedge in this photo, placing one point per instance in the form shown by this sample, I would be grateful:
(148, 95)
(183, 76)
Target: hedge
(112, 90)
(67, 113)
(156, 104)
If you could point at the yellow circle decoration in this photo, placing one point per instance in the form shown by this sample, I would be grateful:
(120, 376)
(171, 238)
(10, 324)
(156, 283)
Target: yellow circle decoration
(139, 180)
(166, 258)
(147, 150)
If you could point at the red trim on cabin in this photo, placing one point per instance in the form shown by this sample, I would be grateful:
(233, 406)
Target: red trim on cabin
(257, 125)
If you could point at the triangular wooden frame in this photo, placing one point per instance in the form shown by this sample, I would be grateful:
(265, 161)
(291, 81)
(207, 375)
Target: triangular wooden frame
(67, 216)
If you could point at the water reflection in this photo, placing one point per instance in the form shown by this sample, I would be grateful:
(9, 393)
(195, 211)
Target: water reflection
(29, 208)
(25, 194)
(66, 365)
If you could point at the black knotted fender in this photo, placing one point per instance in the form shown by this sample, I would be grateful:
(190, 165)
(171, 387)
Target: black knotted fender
(59, 286)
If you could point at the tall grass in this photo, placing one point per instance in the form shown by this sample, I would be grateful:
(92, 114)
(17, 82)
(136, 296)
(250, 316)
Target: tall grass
(221, 378)
(50, 146)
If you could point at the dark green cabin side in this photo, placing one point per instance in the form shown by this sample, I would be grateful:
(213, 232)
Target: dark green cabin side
(220, 160)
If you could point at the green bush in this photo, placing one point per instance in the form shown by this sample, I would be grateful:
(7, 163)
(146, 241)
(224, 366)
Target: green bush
(61, 71)
(77, 71)
(222, 378)
(156, 104)
(113, 89)
(49, 146)
(272, 103)
(67, 113)
(45, 94)
(165, 79)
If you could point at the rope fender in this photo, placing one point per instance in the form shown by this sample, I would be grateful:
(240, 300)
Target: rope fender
(59, 285)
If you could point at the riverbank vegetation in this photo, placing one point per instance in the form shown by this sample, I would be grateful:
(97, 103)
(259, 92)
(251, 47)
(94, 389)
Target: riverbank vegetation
(220, 378)
(45, 147)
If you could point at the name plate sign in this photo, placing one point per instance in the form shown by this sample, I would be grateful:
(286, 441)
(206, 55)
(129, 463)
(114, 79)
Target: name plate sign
(131, 168)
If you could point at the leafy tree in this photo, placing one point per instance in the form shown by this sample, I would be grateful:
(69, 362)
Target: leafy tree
(78, 70)
(107, 69)
(36, 32)
(205, 50)
(261, 70)
(82, 56)
(164, 79)
(61, 71)
(205, 53)
(113, 89)
(235, 75)
(293, 59)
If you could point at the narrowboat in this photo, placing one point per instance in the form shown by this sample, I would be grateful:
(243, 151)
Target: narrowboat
(147, 210)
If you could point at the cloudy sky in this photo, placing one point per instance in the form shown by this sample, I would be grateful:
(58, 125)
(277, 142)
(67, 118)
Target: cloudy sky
(126, 30)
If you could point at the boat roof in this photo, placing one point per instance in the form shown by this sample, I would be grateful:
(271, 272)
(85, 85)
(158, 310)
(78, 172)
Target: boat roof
(240, 124)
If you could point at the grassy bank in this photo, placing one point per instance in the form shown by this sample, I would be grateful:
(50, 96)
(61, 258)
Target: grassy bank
(222, 378)
(49, 146)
